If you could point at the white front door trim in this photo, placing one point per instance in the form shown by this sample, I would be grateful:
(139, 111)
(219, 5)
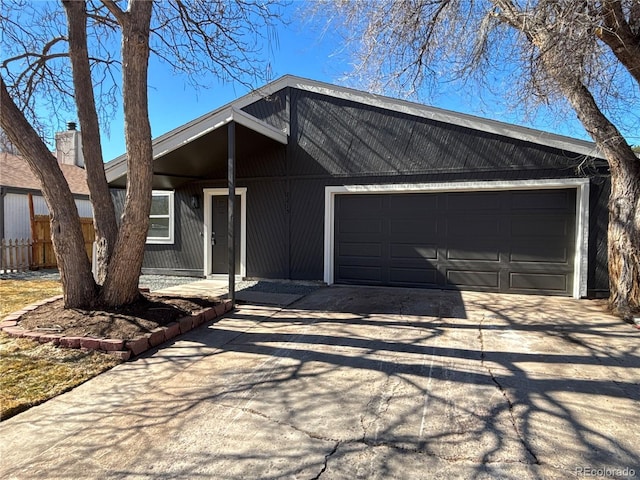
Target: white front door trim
(582, 213)
(208, 194)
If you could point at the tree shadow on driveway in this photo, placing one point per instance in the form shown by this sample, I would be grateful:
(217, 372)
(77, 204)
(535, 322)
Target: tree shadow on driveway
(493, 386)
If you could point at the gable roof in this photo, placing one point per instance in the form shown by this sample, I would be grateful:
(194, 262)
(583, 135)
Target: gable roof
(204, 124)
(15, 172)
(195, 129)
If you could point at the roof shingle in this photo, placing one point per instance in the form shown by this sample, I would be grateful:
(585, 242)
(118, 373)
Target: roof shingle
(15, 172)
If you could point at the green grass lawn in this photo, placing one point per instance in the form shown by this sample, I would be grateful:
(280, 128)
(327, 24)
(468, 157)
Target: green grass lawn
(30, 372)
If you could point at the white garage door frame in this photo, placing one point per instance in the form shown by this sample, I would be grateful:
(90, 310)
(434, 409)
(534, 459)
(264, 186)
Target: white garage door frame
(582, 213)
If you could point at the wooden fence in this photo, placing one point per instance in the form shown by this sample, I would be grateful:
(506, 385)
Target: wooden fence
(42, 255)
(15, 255)
(18, 255)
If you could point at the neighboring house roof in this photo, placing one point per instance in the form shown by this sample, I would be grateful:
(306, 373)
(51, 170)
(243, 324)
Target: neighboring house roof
(222, 116)
(15, 172)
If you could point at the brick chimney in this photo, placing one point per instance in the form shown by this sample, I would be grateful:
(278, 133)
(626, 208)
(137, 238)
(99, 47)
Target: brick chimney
(69, 146)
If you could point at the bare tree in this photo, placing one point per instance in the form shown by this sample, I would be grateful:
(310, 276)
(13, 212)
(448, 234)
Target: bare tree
(44, 39)
(584, 54)
(5, 144)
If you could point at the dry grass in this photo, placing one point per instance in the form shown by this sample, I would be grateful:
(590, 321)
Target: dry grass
(30, 372)
(15, 294)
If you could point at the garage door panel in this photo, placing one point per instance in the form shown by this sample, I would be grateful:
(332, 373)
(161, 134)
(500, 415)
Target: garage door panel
(405, 205)
(361, 226)
(359, 273)
(539, 252)
(467, 201)
(417, 227)
(545, 200)
(487, 241)
(538, 281)
(413, 276)
(487, 254)
(472, 278)
(413, 251)
(539, 226)
(360, 250)
(472, 225)
(359, 206)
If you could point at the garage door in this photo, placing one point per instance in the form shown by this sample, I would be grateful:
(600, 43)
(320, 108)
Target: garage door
(504, 241)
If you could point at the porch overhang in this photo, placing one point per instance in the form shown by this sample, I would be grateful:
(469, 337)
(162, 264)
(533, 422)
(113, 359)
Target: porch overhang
(198, 151)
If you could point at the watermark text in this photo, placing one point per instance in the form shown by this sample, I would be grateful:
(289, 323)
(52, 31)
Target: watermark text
(585, 471)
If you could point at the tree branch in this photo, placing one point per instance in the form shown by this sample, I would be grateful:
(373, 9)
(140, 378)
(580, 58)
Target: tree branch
(617, 34)
(115, 10)
(44, 55)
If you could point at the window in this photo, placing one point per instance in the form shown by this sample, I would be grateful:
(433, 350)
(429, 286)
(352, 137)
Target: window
(161, 218)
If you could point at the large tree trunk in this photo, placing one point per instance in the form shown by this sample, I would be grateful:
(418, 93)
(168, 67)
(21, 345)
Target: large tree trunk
(624, 201)
(104, 217)
(121, 284)
(66, 234)
(624, 232)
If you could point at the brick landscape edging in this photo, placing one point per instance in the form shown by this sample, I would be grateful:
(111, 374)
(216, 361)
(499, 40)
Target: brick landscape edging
(123, 349)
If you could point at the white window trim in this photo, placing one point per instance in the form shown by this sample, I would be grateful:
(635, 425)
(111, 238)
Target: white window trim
(170, 239)
(582, 213)
(208, 194)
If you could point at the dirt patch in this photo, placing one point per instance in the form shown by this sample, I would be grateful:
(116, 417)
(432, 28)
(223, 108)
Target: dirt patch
(150, 312)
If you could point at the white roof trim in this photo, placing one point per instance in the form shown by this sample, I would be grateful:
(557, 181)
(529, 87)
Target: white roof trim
(249, 121)
(232, 111)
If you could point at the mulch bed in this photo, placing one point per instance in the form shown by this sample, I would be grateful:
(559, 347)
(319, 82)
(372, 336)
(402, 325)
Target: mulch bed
(127, 322)
(126, 331)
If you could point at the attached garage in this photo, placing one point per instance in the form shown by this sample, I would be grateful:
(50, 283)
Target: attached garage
(519, 240)
(342, 186)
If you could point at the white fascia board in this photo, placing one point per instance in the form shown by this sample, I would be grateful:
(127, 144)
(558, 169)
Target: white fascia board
(258, 126)
(191, 131)
(116, 168)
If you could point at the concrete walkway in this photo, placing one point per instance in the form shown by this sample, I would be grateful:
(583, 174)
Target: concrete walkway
(351, 383)
(220, 288)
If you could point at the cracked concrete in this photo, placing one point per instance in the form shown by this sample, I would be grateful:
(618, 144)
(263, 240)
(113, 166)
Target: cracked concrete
(504, 393)
(349, 383)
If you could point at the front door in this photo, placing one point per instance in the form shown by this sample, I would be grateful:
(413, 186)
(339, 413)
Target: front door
(220, 232)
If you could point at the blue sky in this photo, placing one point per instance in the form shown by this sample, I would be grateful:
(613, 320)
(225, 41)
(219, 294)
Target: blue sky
(173, 102)
(301, 51)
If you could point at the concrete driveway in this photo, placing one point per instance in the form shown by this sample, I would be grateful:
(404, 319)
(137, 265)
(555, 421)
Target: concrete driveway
(357, 383)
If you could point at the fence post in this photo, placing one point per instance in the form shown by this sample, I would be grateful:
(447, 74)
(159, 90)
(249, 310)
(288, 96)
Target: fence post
(16, 255)
(3, 255)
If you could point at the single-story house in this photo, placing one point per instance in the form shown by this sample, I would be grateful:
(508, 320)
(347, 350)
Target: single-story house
(342, 186)
(17, 182)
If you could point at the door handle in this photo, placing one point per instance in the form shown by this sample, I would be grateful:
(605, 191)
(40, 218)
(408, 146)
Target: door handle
(213, 238)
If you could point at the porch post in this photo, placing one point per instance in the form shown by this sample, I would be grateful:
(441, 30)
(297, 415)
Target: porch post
(231, 180)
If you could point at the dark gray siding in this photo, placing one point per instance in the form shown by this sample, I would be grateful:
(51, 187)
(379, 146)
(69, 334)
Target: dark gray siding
(267, 229)
(598, 273)
(337, 138)
(273, 109)
(337, 142)
(185, 256)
